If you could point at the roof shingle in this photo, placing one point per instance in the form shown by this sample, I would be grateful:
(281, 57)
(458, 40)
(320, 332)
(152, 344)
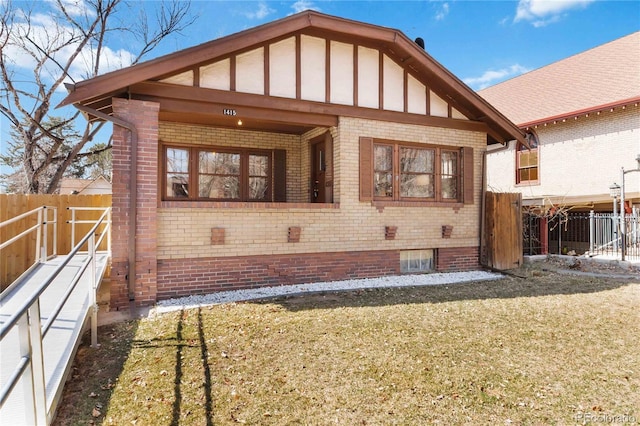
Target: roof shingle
(602, 76)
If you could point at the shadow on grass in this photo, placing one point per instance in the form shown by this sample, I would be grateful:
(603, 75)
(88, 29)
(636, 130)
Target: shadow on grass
(180, 343)
(94, 374)
(204, 351)
(177, 398)
(507, 288)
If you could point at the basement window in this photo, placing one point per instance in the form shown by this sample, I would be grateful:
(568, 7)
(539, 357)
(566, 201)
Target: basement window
(416, 261)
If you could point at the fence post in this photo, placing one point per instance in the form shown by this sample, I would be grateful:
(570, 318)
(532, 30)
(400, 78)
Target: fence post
(592, 230)
(634, 237)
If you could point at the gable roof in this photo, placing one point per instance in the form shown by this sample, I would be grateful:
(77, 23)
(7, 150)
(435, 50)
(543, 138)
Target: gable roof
(154, 79)
(604, 77)
(99, 185)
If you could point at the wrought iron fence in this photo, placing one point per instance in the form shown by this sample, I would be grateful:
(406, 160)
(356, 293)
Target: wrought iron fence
(582, 233)
(532, 243)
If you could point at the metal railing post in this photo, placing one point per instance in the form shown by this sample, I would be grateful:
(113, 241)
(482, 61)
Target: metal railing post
(592, 231)
(37, 363)
(45, 232)
(634, 238)
(55, 232)
(27, 382)
(93, 291)
(623, 220)
(39, 237)
(109, 233)
(73, 226)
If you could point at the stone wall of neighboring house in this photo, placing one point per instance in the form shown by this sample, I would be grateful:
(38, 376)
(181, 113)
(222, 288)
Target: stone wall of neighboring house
(576, 158)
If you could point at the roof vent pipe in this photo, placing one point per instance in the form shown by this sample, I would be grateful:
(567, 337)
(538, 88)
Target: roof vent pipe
(420, 42)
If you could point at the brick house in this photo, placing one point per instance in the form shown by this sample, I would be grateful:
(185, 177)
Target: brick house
(310, 148)
(582, 119)
(582, 113)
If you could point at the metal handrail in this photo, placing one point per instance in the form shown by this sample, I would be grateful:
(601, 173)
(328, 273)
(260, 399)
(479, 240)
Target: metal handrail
(41, 225)
(28, 315)
(75, 221)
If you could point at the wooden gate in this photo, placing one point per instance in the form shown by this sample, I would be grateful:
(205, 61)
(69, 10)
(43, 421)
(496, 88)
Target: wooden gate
(503, 230)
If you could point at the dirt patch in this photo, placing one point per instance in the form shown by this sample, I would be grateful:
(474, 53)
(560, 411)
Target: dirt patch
(94, 375)
(582, 264)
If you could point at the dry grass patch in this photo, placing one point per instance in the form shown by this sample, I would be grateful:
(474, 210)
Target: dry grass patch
(537, 351)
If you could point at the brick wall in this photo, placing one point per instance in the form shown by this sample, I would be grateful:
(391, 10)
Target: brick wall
(576, 158)
(176, 252)
(457, 259)
(184, 229)
(144, 116)
(177, 277)
(183, 277)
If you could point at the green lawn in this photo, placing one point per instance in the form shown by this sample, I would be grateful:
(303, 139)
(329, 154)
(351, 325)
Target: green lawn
(549, 349)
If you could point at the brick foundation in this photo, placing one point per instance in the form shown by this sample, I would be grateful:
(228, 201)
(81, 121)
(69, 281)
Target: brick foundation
(183, 277)
(458, 259)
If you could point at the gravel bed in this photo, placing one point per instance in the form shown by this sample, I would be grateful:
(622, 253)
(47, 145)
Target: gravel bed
(268, 292)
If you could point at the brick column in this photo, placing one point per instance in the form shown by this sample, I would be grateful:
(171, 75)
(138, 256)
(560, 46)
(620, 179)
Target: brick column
(544, 236)
(144, 117)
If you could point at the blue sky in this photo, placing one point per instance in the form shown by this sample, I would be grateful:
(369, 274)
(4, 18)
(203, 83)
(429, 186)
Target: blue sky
(482, 42)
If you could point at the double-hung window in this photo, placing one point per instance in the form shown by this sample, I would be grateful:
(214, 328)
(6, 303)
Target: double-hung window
(398, 171)
(223, 174)
(527, 161)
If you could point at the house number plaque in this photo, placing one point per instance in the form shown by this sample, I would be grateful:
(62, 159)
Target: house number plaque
(228, 111)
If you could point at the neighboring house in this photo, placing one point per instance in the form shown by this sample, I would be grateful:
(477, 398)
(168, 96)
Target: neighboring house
(583, 122)
(100, 185)
(310, 148)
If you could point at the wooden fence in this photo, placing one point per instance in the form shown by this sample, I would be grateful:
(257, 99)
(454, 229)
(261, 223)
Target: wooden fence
(503, 228)
(16, 258)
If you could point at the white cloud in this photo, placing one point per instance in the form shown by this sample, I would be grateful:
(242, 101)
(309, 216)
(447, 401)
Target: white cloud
(53, 36)
(545, 12)
(73, 7)
(262, 12)
(443, 12)
(491, 77)
(302, 5)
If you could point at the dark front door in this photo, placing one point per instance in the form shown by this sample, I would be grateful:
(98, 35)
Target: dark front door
(318, 173)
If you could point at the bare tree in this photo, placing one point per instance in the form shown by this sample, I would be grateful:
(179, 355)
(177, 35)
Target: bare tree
(67, 43)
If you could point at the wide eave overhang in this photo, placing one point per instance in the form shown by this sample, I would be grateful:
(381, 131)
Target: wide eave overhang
(202, 106)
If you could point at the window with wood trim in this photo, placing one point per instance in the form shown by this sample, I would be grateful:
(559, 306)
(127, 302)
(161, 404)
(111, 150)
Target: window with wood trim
(527, 161)
(400, 171)
(223, 174)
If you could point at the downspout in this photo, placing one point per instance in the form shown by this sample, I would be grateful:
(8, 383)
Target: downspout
(483, 244)
(131, 276)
